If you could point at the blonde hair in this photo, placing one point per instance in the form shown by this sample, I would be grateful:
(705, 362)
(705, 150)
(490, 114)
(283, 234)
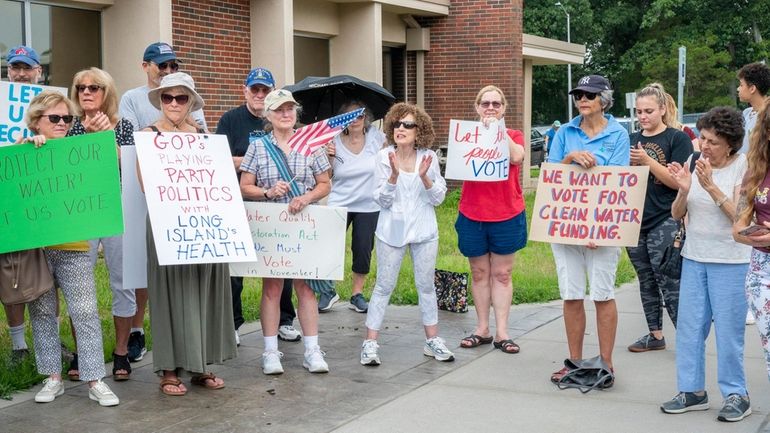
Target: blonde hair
(101, 78)
(490, 88)
(665, 101)
(43, 101)
(758, 159)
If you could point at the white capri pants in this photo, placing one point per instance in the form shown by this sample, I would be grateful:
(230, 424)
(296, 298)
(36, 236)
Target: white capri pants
(123, 301)
(388, 266)
(575, 262)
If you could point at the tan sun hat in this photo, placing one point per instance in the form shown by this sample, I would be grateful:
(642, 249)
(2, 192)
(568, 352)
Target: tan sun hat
(277, 97)
(177, 79)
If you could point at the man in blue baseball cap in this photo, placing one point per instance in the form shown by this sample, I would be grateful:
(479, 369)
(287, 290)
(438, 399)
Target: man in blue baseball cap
(23, 65)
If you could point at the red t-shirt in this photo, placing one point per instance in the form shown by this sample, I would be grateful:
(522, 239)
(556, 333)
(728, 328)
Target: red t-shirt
(494, 201)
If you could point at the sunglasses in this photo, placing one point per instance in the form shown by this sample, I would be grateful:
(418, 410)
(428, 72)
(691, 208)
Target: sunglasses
(579, 95)
(407, 125)
(93, 88)
(165, 65)
(180, 99)
(55, 118)
(360, 116)
(255, 89)
(486, 104)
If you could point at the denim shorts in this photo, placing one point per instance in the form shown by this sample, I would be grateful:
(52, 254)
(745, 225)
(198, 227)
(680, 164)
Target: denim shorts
(478, 238)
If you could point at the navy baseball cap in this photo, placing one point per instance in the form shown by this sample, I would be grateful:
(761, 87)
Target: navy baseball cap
(159, 52)
(592, 84)
(23, 54)
(260, 76)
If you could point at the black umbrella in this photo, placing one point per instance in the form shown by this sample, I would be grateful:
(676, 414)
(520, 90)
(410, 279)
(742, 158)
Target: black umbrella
(322, 97)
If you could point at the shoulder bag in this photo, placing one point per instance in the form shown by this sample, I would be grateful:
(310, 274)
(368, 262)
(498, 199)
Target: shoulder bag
(24, 276)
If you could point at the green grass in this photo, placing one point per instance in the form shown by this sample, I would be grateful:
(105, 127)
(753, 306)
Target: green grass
(534, 280)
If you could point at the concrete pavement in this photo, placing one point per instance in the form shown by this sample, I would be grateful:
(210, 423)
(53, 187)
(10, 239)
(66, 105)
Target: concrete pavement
(484, 389)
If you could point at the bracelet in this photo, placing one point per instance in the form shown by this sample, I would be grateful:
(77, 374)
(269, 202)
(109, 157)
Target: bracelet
(721, 201)
(264, 191)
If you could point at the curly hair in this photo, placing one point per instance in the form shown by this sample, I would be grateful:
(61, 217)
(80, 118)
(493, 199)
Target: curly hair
(42, 102)
(101, 78)
(756, 74)
(758, 159)
(726, 122)
(425, 134)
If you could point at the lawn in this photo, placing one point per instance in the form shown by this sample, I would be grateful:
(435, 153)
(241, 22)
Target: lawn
(534, 280)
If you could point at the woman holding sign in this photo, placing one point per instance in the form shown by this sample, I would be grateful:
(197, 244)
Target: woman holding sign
(409, 187)
(714, 268)
(272, 172)
(590, 139)
(191, 311)
(491, 226)
(655, 146)
(49, 116)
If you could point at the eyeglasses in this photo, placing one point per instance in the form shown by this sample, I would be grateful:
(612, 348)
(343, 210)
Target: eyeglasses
(21, 67)
(180, 99)
(165, 65)
(579, 95)
(257, 89)
(408, 125)
(93, 88)
(494, 104)
(55, 118)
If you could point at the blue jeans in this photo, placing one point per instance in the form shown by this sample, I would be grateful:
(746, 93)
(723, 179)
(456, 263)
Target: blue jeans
(711, 290)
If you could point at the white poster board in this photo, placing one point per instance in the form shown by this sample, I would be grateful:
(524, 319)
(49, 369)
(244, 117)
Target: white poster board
(477, 153)
(14, 100)
(194, 199)
(135, 222)
(309, 245)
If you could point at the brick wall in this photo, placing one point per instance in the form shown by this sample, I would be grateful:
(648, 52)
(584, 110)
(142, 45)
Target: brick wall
(212, 38)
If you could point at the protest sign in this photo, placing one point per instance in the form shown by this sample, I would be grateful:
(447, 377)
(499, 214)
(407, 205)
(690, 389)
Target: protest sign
(67, 190)
(477, 153)
(575, 206)
(14, 99)
(309, 245)
(135, 218)
(194, 200)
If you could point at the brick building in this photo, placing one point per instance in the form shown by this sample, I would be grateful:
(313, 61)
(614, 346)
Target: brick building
(435, 53)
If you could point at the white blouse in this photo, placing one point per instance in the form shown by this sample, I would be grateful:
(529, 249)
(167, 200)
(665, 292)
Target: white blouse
(407, 212)
(353, 180)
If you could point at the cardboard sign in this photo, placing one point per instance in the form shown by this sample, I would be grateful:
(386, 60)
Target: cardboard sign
(477, 153)
(14, 99)
(575, 206)
(135, 218)
(309, 245)
(194, 200)
(67, 190)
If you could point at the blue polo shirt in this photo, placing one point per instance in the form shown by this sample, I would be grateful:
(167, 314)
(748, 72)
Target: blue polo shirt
(610, 147)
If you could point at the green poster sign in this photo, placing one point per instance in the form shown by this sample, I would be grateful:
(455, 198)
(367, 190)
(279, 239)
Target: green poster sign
(67, 190)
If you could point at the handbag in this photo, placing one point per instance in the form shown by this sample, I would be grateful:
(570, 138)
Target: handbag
(24, 276)
(451, 291)
(587, 374)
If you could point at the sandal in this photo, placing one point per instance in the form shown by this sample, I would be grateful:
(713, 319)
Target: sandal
(557, 375)
(171, 381)
(208, 380)
(73, 372)
(507, 346)
(474, 340)
(120, 362)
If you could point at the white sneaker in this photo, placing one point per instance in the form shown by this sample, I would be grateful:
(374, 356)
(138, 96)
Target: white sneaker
(288, 333)
(369, 355)
(103, 394)
(314, 361)
(271, 362)
(237, 339)
(750, 318)
(51, 389)
(436, 347)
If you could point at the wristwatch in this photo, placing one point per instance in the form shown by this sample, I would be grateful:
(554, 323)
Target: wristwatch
(264, 191)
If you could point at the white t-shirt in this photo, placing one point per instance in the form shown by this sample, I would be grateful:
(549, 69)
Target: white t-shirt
(709, 230)
(749, 120)
(353, 182)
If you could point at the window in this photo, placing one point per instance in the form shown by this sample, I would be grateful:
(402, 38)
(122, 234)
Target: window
(311, 57)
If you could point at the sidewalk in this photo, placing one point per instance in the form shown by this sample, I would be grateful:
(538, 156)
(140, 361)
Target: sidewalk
(483, 389)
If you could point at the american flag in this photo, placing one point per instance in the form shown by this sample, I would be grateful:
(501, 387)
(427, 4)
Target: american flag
(309, 138)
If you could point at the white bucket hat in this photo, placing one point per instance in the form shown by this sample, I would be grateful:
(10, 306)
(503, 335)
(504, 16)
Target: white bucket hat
(177, 79)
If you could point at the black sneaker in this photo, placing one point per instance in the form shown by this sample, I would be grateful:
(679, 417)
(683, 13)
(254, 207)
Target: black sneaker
(136, 349)
(735, 408)
(647, 342)
(685, 402)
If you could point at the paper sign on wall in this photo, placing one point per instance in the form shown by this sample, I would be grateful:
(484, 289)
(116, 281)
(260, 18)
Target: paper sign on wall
(309, 245)
(194, 199)
(67, 190)
(575, 206)
(14, 99)
(477, 153)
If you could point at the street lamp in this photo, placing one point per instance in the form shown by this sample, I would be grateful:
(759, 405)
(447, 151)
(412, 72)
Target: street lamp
(569, 65)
